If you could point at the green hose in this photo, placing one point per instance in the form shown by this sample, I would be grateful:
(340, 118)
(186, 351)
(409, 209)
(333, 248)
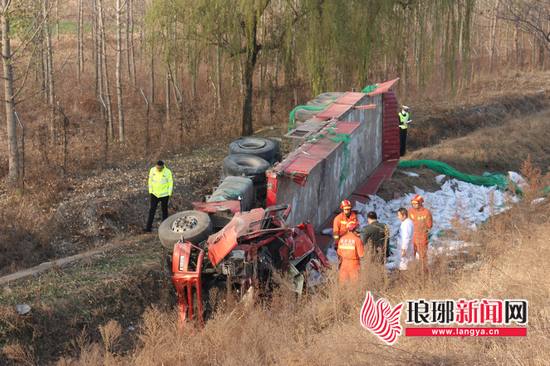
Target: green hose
(487, 179)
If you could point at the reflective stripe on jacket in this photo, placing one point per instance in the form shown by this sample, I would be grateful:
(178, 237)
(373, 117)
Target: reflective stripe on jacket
(422, 220)
(161, 183)
(340, 224)
(351, 247)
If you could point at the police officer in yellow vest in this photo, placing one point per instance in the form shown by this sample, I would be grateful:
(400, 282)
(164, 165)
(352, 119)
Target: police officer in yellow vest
(404, 120)
(161, 185)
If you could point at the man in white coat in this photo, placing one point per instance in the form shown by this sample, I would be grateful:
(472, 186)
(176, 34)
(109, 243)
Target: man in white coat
(405, 247)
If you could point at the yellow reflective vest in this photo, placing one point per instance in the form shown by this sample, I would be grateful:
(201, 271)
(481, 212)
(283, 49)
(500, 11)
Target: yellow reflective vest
(404, 120)
(161, 183)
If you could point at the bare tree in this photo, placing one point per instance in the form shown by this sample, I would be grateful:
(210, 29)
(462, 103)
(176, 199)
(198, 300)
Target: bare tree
(106, 93)
(107, 131)
(530, 16)
(494, 21)
(130, 55)
(218, 77)
(65, 140)
(167, 95)
(152, 75)
(147, 133)
(9, 98)
(57, 18)
(118, 75)
(96, 49)
(22, 154)
(80, 46)
(48, 52)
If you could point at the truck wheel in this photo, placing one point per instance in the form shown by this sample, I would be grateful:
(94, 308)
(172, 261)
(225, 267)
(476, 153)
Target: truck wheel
(264, 148)
(246, 165)
(193, 226)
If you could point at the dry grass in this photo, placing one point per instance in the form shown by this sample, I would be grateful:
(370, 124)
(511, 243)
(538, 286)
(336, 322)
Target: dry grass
(323, 328)
(500, 148)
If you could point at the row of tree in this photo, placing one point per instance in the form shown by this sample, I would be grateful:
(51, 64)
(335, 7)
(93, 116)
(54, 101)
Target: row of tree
(245, 46)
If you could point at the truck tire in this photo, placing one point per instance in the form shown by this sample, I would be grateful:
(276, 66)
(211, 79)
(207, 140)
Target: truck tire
(193, 226)
(264, 148)
(247, 165)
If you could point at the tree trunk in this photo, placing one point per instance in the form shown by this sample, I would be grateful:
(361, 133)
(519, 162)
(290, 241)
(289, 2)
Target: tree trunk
(152, 76)
(105, 70)
(57, 19)
(293, 68)
(218, 78)
(80, 47)
(44, 64)
(194, 72)
(96, 49)
(49, 53)
(516, 44)
(147, 134)
(120, 107)
(493, 35)
(167, 94)
(130, 42)
(178, 97)
(21, 155)
(132, 47)
(248, 81)
(9, 102)
(49, 68)
(41, 62)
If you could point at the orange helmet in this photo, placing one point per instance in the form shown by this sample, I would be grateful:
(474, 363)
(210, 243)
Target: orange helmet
(352, 225)
(345, 204)
(418, 199)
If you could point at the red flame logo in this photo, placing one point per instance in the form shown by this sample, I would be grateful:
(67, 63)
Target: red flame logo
(380, 319)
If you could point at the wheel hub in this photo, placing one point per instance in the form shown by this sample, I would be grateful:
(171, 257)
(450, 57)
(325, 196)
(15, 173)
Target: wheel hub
(252, 144)
(184, 224)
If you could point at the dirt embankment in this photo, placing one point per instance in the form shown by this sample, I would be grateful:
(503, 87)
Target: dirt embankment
(68, 305)
(430, 127)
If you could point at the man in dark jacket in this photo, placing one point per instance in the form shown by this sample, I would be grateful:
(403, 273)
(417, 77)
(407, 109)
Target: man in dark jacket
(376, 235)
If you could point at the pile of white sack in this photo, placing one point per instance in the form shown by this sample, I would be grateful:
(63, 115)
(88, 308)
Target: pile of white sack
(456, 203)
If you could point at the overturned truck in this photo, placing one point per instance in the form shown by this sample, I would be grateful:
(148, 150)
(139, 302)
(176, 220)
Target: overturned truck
(343, 149)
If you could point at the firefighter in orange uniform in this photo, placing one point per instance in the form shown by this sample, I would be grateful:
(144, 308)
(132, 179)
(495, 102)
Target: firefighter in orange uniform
(339, 225)
(422, 220)
(350, 251)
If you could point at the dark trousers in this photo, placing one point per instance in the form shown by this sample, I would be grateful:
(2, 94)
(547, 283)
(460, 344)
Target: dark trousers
(153, 209)
(402, 141)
